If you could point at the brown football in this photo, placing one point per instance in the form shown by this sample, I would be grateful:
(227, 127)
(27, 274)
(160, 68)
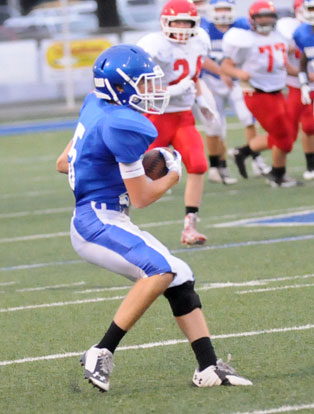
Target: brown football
(154, 164)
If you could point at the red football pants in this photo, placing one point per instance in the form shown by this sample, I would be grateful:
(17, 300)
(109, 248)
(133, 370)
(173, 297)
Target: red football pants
(299, 113)
(271, 112)
(178, 129)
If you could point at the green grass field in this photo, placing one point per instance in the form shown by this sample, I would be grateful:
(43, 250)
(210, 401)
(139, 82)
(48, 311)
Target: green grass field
(257, 296)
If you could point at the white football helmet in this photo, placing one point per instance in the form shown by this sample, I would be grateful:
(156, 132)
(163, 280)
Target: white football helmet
(308, 12)
(202, 7)
(222, 11)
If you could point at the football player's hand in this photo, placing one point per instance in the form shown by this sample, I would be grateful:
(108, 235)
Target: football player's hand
(227, 80)
(173, 161)
(305, 94)
(209, 113)
(243, 75)
(181, 87)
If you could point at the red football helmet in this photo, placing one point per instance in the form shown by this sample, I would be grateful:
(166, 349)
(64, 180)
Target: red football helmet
(183, 11)
(297, 4)
(297, 7)
(263, 9)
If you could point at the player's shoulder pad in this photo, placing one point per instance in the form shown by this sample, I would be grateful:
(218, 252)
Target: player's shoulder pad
(204, 37)
(241, 23)
(127, 119)
(286, 26)
(205, 24)
(157, 45)
(87, 98)
(239, 38)
(304, 30)
(298, 31)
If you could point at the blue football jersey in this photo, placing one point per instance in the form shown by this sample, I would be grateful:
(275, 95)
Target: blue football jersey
(304, 38)
(216, 36)
(105, 135)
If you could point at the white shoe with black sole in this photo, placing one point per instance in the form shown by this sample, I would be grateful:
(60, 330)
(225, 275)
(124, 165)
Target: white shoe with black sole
(98, 364)
(220, 374)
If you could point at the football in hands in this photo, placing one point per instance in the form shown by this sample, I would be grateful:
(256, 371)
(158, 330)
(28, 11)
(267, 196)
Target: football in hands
(154, 163)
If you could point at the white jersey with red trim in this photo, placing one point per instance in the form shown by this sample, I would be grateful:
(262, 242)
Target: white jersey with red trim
(264, 57)
(178, 61)
(286, 26)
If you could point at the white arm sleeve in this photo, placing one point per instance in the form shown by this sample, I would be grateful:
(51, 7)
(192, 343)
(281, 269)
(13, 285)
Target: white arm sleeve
(132, 170)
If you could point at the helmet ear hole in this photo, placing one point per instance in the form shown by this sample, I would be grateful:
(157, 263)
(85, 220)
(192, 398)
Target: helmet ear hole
(104, 63)
(119, 87)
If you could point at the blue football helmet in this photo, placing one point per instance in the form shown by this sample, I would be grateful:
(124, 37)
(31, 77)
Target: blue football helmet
(127, 75)
(222, 11)
(202, 7)
(308, 12)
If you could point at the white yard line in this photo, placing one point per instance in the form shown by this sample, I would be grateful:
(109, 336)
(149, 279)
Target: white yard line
(26, 194)
(38, 265)
(244, 244)
(78, 302)
(36, 212)
(243, 292)
(8, 283)
(183, 250)
(250, 222)
(154, 224)
(256, 282)
(163, 343)
(96, 290)
(35, 237)
(36, 289)
(208, 286)
(58, 304)
(283, 409)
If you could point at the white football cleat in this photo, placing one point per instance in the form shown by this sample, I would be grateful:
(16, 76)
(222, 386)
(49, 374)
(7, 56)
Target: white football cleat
(190, 235)
(226, 177)
(308, 175)
(259, 166)
(220, 374)
(221, 175)
(285, 181)
(214, 175)
(98, 364)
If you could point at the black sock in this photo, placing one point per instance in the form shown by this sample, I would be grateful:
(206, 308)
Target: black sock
(112, 338)
(222, 163)
(309, 156)
(204, 352)
(191, 210)
(255, 154)
(278, 171)
(214, 160)
(246, 151)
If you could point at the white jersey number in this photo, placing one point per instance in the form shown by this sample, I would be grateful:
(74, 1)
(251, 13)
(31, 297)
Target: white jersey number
(78, 134)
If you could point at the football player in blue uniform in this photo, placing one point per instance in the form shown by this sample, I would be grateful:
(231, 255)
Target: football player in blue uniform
(221, 17)
(304, 39)
(104, 167)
